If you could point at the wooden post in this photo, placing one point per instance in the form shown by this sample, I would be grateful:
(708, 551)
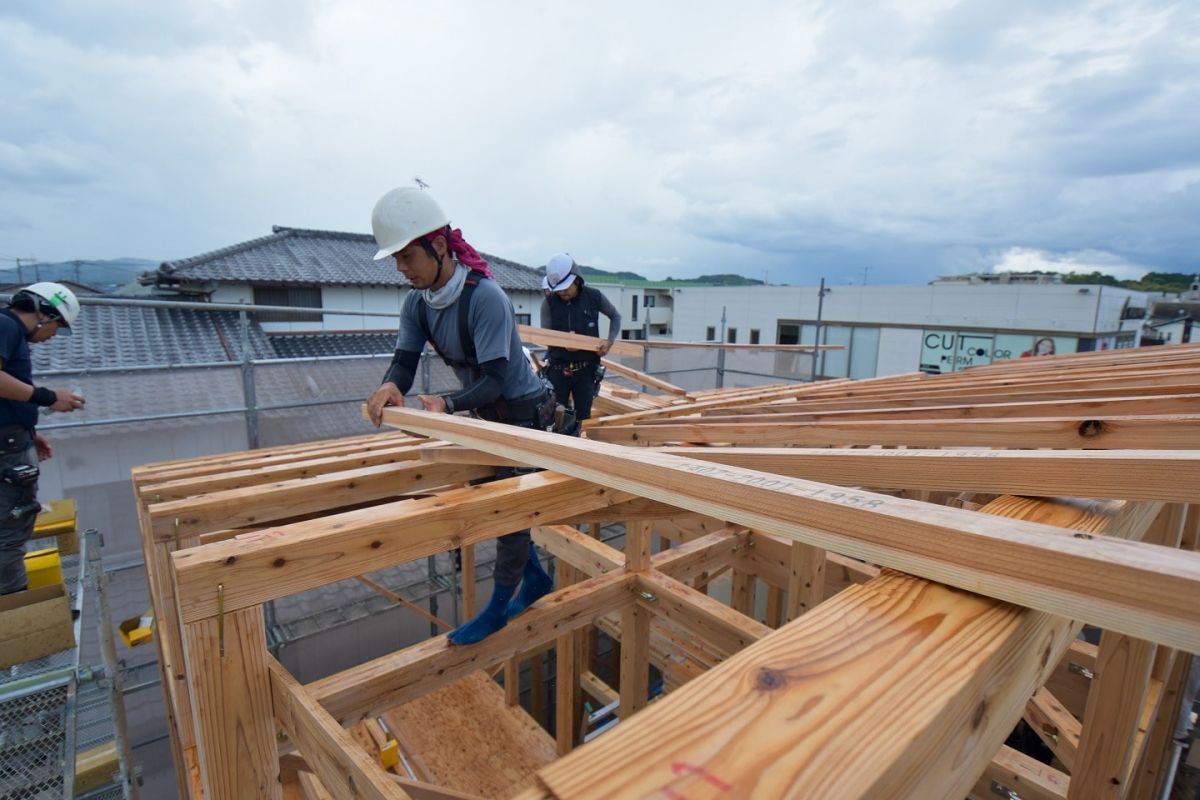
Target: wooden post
(512, 681)
(806, 581)
(1114, 708)
(537, 688)
(635, 660)
(467, 581)
(743, 593)
(230, 686)
(565, 683)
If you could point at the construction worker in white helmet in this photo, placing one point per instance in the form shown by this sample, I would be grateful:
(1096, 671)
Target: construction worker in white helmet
(35, 314)
(469, 321)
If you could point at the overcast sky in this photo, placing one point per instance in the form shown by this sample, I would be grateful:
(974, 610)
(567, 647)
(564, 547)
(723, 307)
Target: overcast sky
(890, 142)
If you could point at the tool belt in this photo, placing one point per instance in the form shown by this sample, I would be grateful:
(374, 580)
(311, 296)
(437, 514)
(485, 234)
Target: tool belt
(14, 439)
(535, 410)
(571, 367)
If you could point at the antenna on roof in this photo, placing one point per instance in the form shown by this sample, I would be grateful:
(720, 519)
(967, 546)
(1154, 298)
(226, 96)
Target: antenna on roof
(420, 183)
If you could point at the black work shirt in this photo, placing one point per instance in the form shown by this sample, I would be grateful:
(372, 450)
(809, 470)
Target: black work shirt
(14, 349)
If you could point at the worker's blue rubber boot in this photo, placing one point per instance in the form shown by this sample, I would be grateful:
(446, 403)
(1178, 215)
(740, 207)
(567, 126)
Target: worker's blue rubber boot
(535, 583)
(493, 617)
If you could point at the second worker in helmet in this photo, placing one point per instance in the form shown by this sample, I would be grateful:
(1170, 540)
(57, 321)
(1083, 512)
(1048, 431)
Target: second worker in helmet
(455, 306)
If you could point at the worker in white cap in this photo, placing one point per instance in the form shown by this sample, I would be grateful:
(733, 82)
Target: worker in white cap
(573, 307)
(35, 314)
(456, 307)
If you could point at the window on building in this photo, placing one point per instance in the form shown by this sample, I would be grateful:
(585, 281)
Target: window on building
(523, 319)
(648, 301)
(731, 335)
(754, 336)
(295, 296)
(710, 334)
(635, 304)
(788, 334)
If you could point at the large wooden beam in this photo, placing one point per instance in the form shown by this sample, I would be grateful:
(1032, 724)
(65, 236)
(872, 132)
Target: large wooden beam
(1133, 588)
(1089, 406)
(277, 562)
(1170, 475)
(806, 696)
(1096, 433)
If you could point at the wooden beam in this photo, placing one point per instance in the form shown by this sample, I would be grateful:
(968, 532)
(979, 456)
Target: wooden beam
(191, 486)
(343, 766)
(1170, 475)
(575, 341)
(1129, 587)
(642, 378)
(255, 505)
(396, 678)
(1177, 432)
(227, 669)
(1089, 406)
(713, 621)
(1055, 726)
(1016, 772)
(280, 561)
(578, 549)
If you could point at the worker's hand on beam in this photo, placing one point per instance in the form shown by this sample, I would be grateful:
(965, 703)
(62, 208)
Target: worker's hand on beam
(387, 394)
(433, 402)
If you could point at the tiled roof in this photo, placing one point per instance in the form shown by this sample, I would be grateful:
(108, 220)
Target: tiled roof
(316, 345)
(331, 258)
(131, 336)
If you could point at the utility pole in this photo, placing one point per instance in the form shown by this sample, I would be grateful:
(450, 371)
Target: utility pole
(18, 261)
(721, 353)
(817, 331)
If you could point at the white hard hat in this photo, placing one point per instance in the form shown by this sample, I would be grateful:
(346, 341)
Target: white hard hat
(56, 300)
(560, 272)
(402, 216)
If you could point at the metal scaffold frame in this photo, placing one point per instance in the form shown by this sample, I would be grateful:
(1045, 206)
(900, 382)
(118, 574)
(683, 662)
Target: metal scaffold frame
(41, 701)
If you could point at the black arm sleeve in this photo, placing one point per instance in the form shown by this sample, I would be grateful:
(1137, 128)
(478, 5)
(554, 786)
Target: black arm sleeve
(402, 370)
(484, 390)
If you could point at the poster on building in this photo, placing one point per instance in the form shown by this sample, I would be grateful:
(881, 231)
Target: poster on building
(949, 351)
(1024, 345)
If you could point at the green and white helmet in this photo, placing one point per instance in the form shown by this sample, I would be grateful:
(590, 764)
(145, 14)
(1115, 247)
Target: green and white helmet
(55, 300)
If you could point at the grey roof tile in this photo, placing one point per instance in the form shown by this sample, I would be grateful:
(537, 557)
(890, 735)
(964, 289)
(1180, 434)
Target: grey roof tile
(129, 336)
(298, 255)
(316, 345)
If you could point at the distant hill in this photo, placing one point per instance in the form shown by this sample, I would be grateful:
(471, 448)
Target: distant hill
(106, 275)
(634, 278)
(1169, 282)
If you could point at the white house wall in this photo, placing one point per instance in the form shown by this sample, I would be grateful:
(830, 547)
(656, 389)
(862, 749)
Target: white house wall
(358, 298)
(899, 351)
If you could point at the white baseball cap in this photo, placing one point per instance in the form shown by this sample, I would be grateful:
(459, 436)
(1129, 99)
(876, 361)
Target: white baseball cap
(561, 272)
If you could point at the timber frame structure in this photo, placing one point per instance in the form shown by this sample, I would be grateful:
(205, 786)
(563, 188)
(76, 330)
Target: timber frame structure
(930, 549)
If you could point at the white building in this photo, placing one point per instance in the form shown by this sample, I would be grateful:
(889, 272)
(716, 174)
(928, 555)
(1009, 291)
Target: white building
(938, 327)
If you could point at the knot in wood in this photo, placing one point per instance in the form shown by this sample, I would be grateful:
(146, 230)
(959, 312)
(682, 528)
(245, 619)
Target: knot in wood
(769, 680)
(1091, 428)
